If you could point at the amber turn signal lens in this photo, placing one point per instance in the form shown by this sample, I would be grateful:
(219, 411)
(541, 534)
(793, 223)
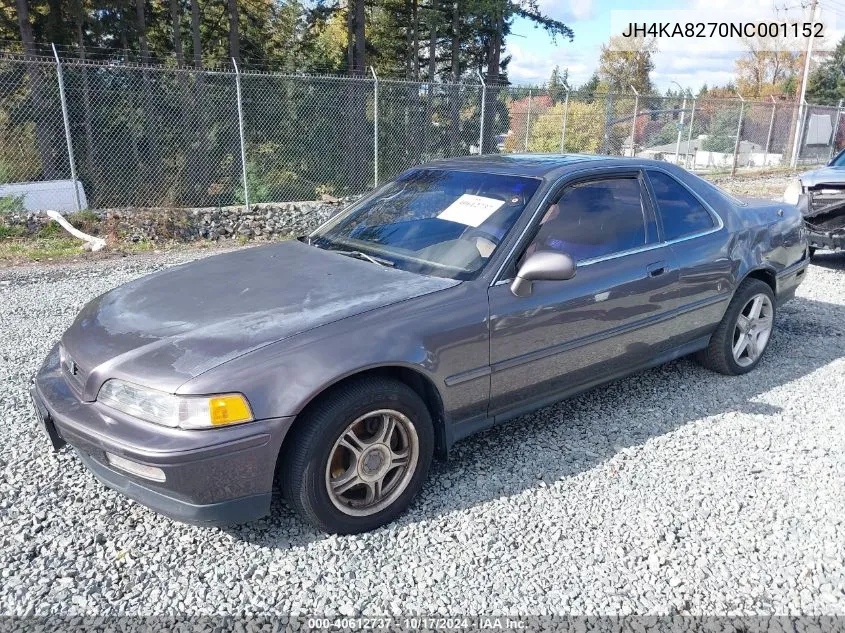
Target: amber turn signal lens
(228, 410)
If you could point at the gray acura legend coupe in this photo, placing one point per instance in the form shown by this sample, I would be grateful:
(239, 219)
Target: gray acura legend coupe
(462, 294)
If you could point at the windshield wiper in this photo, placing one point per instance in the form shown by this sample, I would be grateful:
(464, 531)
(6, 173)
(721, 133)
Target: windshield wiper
(369, 258)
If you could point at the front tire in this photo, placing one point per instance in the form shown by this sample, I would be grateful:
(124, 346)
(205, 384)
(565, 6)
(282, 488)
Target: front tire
(743, 335)
(359, 456)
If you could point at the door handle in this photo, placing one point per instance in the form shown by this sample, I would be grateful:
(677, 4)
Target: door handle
(656, 269)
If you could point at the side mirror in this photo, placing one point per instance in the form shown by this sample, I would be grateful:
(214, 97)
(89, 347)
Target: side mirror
(546, 265)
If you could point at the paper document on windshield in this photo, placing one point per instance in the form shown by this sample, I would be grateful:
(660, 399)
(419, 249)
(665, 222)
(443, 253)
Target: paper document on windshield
(470, 210)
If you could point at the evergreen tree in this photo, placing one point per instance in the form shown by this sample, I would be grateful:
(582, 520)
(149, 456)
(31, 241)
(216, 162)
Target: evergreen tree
(826, 84)
(588, 91)
(721, 135)
(558, 84)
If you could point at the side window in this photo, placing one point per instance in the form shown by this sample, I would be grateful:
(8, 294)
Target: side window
(681, 211)
(594, 219)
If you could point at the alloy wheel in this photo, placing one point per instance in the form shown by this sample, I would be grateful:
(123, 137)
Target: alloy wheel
(372, 462)
(753, 330)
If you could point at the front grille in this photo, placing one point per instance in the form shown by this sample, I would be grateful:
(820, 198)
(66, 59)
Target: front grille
(824, 196)
(73, 372)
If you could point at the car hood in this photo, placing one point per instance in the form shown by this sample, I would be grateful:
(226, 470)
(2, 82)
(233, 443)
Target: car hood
(823, 175)
(166, 328)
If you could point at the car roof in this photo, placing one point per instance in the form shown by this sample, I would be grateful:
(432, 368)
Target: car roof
(535, 165)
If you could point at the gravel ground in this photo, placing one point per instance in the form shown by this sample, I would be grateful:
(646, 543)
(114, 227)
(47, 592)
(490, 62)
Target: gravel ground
(756, 186)
(674, 491)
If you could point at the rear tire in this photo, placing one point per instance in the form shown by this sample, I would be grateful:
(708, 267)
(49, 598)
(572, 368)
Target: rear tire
(359, 456)
(743, 335)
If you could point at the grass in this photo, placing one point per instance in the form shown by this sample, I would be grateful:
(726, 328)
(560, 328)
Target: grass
(746, 173)
(11, 231)
(38, 249)
(52, 245)
(51, 229)
(57, 247)
(11, 204)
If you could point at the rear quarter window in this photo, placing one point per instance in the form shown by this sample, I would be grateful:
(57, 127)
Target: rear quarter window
(682, 213)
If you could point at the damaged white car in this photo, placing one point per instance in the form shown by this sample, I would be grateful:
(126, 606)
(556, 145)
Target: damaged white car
(820, 194)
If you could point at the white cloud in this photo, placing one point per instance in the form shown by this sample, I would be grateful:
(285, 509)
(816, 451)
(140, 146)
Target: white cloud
(567, 10)
(581, 9)
(528, 66)
(692, 70)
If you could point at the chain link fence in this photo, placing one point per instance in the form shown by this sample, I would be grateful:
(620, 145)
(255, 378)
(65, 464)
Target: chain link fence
(32, 141)
(181, 137)
(153, 136)
(306, 136)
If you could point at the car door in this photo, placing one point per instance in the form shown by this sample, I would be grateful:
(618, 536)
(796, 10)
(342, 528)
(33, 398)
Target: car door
(695, 233)
(603, 321)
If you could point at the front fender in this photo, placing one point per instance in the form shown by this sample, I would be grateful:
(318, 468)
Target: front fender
(437, 335)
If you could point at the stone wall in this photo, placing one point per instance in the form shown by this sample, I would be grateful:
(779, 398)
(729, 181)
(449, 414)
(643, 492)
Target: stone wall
(262, 221)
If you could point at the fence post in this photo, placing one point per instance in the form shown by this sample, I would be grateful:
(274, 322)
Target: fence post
(528, 122)
(565, 115)
(241, 131)
(608, 108)
(66, 120)
(680, 129)
(771, 127)
(799, 132)
(483, 112)
(634, 121)
(689, 136)
(738, 133)
(375, 126)
(835, 130)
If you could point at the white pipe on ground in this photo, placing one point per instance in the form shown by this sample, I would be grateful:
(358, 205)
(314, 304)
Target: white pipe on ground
(97, 244)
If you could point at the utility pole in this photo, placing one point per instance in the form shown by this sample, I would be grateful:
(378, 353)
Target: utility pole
(801, 103)
(835, 130)
(738, 134)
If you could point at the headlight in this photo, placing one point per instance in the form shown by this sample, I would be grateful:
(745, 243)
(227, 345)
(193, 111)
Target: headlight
(167, 409)
(793, 191)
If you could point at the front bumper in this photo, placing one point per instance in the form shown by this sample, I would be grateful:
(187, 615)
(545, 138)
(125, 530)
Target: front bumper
(216, 476)
(813, 204)
(828, 241)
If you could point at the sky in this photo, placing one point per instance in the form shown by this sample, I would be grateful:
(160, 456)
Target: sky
(691, 65)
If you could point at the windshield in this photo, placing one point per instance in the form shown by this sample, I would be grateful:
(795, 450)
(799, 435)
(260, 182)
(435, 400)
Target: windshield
(838, 160)
(431, 221)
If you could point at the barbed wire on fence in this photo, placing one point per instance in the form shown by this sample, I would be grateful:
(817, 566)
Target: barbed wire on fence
(167, 136)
